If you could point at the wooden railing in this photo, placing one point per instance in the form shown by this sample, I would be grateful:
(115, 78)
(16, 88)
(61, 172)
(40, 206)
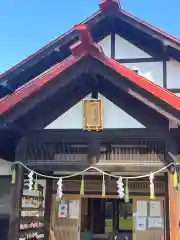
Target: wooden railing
(128, 150)
(138, 154)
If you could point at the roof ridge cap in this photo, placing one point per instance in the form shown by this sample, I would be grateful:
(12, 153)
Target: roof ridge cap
(109, 4)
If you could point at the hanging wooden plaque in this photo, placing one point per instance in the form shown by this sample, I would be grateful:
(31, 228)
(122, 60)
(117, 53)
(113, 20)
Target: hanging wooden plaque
(93, 115)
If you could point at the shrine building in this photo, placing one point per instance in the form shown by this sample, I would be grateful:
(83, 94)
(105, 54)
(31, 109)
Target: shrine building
(90, 133)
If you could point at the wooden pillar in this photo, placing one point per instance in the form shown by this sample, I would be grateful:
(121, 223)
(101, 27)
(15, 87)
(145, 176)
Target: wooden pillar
(94, 151)
(48, 203)
(173, 209)
(16, 192)
(16, 197)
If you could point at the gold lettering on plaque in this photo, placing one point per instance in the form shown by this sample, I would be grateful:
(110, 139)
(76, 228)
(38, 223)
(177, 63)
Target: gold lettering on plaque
(93, 115)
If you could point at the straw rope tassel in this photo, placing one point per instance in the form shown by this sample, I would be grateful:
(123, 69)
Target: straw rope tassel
(36, 185)
(126, 197)
(82, 186)
(13, 180)
(175, 176)
(103, 187)
(151, 178)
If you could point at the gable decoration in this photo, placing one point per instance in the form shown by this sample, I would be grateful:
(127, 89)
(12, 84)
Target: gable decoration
(93, 115)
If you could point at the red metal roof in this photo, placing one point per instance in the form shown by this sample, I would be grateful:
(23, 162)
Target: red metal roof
(48, 45)
(166, 35)
(159, 92)
(104, 4)
(86, 46)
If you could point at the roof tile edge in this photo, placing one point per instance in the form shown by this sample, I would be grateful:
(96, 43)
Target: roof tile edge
(109, 4)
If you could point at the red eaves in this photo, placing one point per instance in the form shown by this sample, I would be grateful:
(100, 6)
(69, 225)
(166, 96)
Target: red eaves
(46, 46)
(162, 33)
(147, 85)
(36, 84)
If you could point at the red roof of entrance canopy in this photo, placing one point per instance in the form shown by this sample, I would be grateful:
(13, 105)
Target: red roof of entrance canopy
(104, 4)
(86, 46)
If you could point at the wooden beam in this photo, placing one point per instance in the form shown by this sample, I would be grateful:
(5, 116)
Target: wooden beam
(94, 86)
(113, 38)
(171, 149)
(79, 136)
(17, 191)
(173, 209)
(48, 201)
(94, 151)
(16, 196)
(165, 59)
(139, 60)
(174, 90)
(173, 124)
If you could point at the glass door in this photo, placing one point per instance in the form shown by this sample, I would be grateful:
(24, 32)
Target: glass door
(111, 218)
(109, 215)
(124, 220)
(102, 217)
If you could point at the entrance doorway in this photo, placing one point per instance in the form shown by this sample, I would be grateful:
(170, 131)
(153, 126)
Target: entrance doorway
(94, 218)
(107, 218)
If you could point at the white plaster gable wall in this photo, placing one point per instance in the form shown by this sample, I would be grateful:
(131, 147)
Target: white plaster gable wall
(113, 117)
(153, 70)
(5, 167)
(106, 45)
(124, 49)
(173, 74)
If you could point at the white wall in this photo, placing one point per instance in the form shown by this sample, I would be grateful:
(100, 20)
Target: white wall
(124, 49)
(151, 70)
(173, 74)
(5, 167)
(106, 45)
(113, 117)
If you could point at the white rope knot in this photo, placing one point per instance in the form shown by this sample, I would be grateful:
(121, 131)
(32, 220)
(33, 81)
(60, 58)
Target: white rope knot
(59, 189)
(30, 184)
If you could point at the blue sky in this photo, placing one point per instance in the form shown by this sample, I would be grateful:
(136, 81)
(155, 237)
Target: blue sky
(28, 25)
